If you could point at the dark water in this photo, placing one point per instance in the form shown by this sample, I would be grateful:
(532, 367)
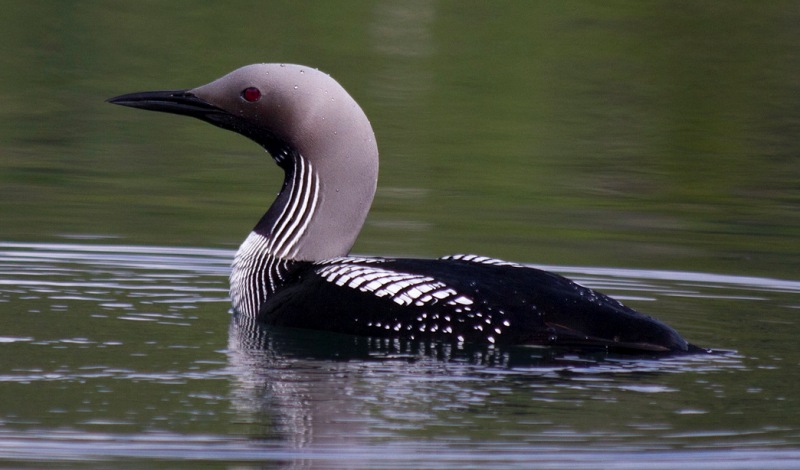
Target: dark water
(656, 142)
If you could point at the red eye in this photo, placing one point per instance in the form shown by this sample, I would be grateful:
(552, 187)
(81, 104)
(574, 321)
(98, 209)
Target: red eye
(251, 94)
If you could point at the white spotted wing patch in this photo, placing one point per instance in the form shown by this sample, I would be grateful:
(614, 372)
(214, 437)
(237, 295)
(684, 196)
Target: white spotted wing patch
(351, 260)
(403, 288)
(482, 260)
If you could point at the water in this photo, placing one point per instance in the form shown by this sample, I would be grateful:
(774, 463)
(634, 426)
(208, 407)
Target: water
(125, 354)
(641, 148)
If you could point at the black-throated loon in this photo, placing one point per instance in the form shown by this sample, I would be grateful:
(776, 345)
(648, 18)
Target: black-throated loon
(294, 269)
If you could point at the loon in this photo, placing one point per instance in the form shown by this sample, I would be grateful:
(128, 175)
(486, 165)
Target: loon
(293, 269)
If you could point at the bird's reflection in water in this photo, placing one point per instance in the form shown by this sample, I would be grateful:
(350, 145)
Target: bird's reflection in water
(308, 388)
(323, 393)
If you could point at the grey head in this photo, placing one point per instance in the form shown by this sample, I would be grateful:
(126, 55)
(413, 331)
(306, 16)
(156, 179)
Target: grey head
(313, 129)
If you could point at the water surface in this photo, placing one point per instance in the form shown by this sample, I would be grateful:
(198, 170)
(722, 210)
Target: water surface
(120, 353)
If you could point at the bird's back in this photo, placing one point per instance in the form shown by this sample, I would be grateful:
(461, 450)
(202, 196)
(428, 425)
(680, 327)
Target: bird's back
(461, 298)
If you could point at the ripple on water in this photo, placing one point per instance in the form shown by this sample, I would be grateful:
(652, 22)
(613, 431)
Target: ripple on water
(147, 448)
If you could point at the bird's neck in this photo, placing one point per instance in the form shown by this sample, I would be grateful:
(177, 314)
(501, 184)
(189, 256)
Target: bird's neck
(320, 208)
(317, 215)
(283, 231)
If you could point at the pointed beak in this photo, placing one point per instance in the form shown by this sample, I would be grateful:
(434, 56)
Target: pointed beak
(175, 102)
(185, 103)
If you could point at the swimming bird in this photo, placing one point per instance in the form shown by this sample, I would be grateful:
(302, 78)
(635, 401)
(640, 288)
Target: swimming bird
(294, 267)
